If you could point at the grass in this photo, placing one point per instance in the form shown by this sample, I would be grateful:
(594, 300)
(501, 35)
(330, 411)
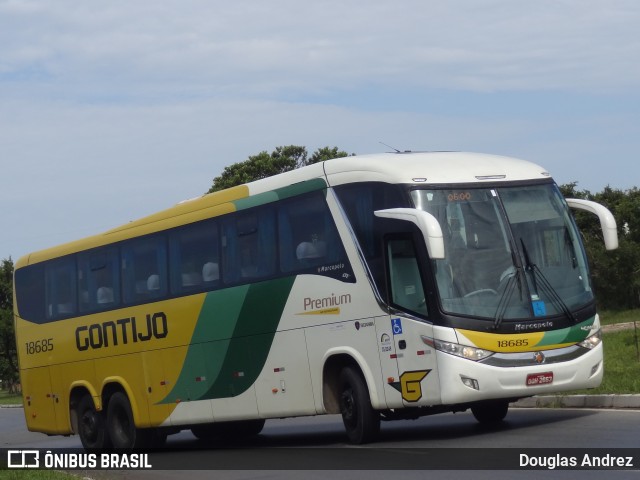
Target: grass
(621, 364)
(35, 475)
(9, 399)
(609, 317)
(621, 355)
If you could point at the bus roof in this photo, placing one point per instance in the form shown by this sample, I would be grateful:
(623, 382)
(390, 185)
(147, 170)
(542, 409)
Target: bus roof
(410, 168)
(432, 168)
(403, 168)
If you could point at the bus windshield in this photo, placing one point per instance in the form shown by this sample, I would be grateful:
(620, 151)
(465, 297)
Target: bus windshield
(510, 252)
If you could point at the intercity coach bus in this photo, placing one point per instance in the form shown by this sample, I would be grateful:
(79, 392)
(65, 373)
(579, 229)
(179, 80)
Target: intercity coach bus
(377, 287)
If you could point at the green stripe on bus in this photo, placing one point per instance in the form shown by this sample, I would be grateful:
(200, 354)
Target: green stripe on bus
(574, 334)
(280, 193)
(231, 341)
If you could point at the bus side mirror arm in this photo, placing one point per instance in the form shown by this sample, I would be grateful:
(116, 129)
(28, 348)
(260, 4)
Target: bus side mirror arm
(427, 223)
(607, 221)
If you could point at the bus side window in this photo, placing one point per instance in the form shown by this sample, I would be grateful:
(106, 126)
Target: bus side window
(195, 258)
(249, 245)
(98, 280)
(144, 270)
(405, 282)
(29, 287)
(307, 234)
(60, 282)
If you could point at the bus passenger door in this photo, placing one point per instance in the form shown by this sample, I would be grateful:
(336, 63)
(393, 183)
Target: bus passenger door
(417, 380)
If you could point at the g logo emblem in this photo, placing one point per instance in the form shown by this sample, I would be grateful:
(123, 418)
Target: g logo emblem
(410, 386)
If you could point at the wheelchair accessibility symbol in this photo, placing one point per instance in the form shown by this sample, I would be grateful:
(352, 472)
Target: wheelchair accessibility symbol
(396, 326)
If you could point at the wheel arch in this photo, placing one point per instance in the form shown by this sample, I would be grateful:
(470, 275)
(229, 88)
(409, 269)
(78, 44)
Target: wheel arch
(335, 360)
(115, 384)
(77, 391)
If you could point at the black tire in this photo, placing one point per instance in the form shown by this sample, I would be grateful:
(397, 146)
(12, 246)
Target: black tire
(490, 412)
(156, 437)
(361, 421)
(121, 427)
(228, 430)
(91, 426)
(246, 428)
(206, 432)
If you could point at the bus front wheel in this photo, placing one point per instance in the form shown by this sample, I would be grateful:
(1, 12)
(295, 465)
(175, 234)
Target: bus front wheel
(91, 425)
(361, 421)
(490, 412)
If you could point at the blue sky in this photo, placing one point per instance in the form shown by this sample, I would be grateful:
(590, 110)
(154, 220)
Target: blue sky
(111, 110)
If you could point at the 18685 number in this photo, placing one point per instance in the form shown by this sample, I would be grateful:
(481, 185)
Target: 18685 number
(523, 342)
(39, 346)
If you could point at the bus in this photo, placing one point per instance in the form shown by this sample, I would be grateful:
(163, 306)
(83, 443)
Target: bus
(378, 287)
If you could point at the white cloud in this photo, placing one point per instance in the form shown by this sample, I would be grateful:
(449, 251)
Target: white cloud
(112, 110)
(278, 45)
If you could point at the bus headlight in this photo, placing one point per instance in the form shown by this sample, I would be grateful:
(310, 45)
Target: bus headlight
(464, 351)
(592, 341)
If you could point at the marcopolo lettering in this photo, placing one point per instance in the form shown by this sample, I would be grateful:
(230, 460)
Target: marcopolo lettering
(123, 331)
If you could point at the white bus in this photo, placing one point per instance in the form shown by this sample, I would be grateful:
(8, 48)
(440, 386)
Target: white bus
(377, 287)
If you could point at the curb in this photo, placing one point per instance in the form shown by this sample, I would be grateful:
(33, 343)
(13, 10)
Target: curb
(630, 401)
(616, 327)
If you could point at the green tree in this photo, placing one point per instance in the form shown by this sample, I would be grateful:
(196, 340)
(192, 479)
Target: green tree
(8, 356)
(265, 164)
(616, 274)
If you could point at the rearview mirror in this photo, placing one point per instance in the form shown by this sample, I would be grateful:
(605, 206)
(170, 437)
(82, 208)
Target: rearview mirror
(427, 223)
(607, 221)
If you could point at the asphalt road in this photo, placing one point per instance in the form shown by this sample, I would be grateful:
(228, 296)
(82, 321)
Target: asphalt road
(406, 447)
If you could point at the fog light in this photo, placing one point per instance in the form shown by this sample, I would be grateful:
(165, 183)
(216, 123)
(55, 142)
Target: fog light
(594, 369)
(470, 382)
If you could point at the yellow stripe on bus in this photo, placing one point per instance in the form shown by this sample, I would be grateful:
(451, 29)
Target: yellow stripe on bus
(324, 311)
(518, 342)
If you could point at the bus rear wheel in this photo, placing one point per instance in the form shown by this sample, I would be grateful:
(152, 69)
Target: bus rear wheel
(91, 426)
(361, 421)
(122, 429)
(490, 412)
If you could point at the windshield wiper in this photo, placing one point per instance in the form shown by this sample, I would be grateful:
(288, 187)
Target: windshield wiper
(505, 298)
(537, 277)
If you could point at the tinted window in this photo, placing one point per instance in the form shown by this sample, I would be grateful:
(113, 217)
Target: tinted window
(296, 235)
(144, 270)
(60, 282)
(405, 282)
(30, 293)
(195, 260)
(308, 235)
(360, 201)
(98, 279)
(249, 245)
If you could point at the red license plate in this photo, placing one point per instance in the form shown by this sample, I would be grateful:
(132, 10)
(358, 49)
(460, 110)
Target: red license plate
(539, 379)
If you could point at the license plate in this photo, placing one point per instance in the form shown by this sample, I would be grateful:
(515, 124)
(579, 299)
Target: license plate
(539, 379)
